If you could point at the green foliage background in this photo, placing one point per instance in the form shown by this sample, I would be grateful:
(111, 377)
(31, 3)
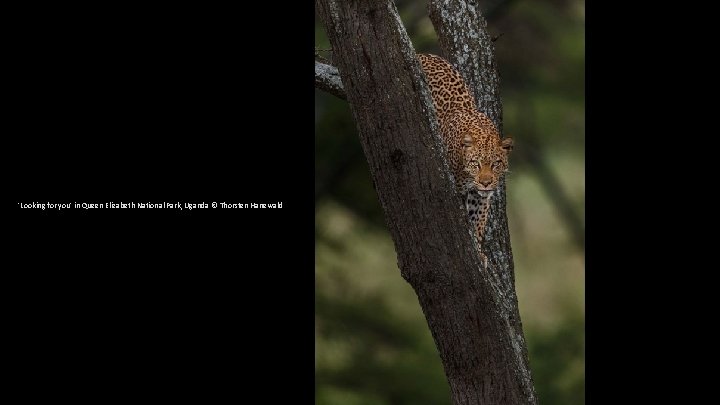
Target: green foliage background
(372, 343)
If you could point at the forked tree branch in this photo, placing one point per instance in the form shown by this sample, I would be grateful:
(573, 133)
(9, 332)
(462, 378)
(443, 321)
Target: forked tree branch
(470, 311)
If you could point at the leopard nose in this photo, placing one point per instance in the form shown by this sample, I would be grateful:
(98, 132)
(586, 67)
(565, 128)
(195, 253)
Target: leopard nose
(486, 182)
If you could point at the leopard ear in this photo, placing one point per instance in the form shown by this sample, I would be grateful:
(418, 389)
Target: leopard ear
(467, 141)
(507, 144)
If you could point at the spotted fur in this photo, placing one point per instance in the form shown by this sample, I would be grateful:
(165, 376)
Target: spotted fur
(477, 155)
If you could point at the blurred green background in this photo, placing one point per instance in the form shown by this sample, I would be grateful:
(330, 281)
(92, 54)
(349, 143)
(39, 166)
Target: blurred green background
(372, 343)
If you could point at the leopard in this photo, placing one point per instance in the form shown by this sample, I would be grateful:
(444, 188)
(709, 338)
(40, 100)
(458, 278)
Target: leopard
(476, 153)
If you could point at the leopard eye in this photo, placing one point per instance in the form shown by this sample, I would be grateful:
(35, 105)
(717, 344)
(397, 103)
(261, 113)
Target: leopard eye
(496, 164)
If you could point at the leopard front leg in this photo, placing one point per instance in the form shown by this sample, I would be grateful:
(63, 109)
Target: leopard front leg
(478, 207)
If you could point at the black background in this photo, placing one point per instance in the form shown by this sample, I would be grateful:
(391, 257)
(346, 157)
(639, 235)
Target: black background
(190, 103)
(648, 299)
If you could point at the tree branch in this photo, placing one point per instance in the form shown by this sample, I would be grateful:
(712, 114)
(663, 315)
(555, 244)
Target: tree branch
(327, 78)
(463, 36)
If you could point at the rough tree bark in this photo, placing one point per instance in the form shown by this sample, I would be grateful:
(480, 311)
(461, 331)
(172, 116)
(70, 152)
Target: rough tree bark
(471, 311)
(327, 78)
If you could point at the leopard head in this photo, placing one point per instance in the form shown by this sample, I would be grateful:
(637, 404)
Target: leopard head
(485, 158)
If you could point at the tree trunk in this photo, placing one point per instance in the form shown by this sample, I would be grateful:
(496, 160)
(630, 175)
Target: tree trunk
(471, 311)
